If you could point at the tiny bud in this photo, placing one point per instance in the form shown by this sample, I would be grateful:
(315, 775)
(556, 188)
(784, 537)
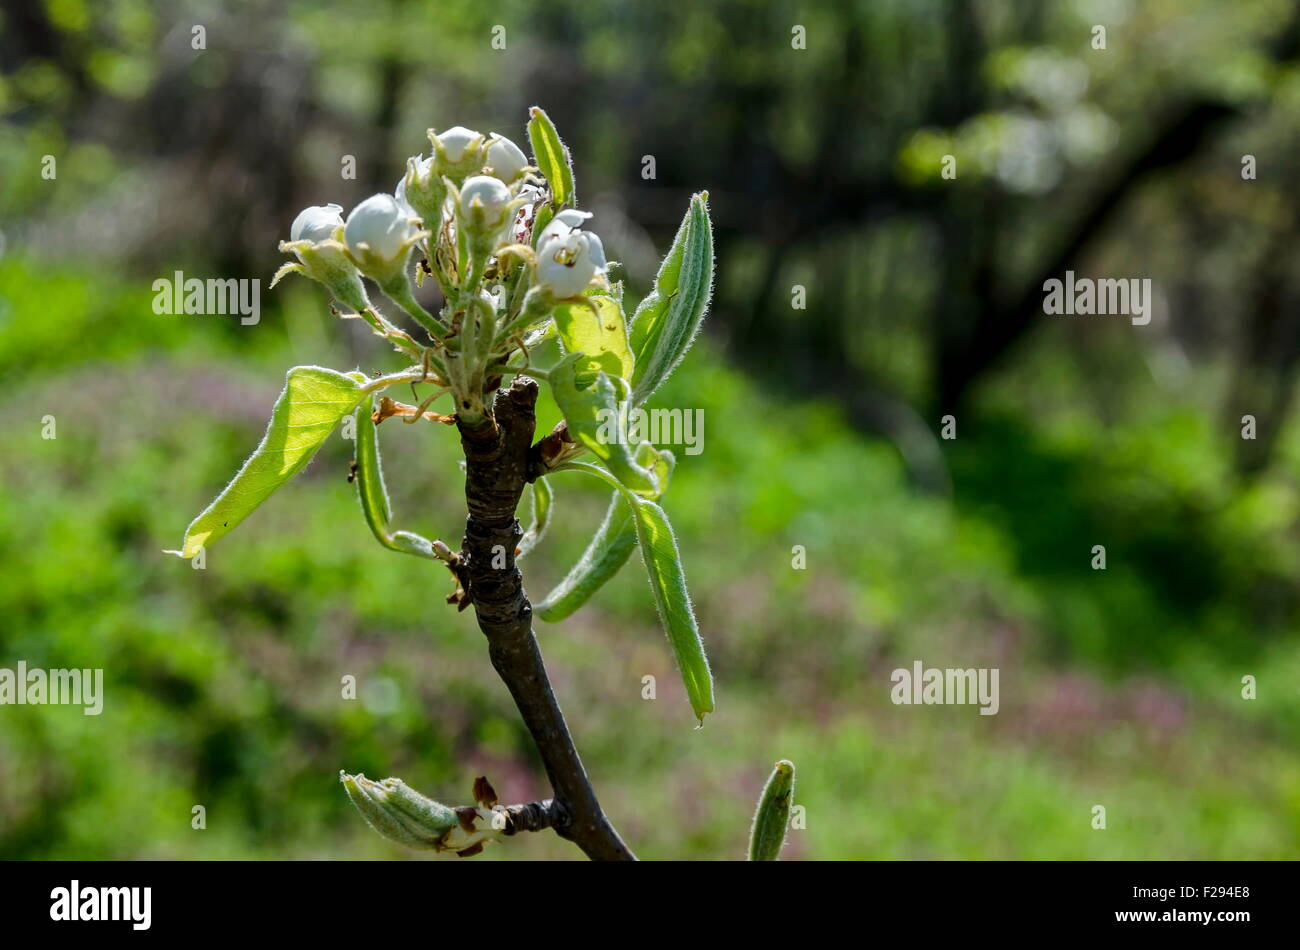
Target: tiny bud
(423, 191)
(400, 813)
(773, 814)
(485, 207)
(505, 159)
(317, 223)
(378, 235)
(457, 153)
(314, 240)
(404, 816)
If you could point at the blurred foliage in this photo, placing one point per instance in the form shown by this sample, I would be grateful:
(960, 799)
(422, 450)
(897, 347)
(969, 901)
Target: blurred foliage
(1119, 687)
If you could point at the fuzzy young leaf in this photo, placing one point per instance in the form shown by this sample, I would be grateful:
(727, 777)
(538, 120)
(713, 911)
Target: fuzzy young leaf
(600, 334)
(370, 473)
(373, 495)
(667, 578)
(313, 402)
(772, 816)
(545, 213)
(551, 157)
(399, 812)
(663, 564)
(405, 817)
(667, 320)
(543, 505)
(609, 548)
(593, 413)
(606, 554)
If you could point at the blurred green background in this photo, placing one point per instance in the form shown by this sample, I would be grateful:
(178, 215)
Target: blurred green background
(1119, 687)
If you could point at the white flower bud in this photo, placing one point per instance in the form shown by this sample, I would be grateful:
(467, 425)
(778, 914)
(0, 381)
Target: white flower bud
(317, 223)
(505, 159)
(456, 141)
(457, 152)
(485, 204)
(422, 190)
(568, 258)
(378, 234)
(416, 166)
(320, 255)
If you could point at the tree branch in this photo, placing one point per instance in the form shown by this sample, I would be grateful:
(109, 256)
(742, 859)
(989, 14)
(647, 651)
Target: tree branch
(534, 816)
(496, 469)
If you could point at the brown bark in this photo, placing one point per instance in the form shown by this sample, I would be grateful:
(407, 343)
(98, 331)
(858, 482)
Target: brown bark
(497, 462)
(534, 816)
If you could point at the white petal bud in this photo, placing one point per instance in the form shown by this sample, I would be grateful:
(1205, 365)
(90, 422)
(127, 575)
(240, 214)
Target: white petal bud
(316, 223)
(380, 228)
(422, 190)
(321, 257)
(455, 141)
(485, 204)
(458, 153)
(505, 159)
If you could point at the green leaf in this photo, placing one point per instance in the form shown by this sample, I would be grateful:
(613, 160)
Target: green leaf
(663, 563)
(310, 407)
(600, 332)
(370, 473)
(544, 215)
(608, 550)
(667, 320)
(373, 495)
(772, 816)
(551, 157)
(668, 583)
(543, 505)
(594, 412)
(661, 462)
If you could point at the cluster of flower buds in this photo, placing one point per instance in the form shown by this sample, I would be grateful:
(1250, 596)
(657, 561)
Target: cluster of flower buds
(471, 188)
(471, 208)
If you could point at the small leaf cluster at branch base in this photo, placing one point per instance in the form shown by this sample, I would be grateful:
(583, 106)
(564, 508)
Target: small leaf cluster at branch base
(405, 817)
